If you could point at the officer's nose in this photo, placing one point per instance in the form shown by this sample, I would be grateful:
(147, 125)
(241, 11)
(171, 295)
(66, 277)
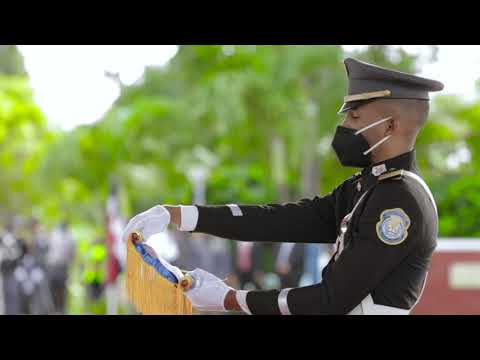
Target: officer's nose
(347, 122)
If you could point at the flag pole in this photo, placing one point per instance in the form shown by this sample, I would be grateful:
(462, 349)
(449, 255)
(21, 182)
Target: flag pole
(114, 227)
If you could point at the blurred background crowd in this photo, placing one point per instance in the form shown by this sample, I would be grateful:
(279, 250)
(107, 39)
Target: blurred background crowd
(42, 271)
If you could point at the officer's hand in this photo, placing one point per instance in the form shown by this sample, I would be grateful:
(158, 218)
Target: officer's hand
(150, 222)
(208, 292)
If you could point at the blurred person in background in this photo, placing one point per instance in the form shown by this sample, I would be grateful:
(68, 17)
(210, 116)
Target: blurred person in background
(39, 242)
(248, 264)
(289, 264)
(94, 275)
(35, 264)
(316, 258)
(221, 256)
(33, 287)
(61, 254)
(10, 254)
(197, 252)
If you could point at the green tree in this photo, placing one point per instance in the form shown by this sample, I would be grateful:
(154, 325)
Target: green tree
(265, 113)
(11, 61)
(451, 144)
(24, 139)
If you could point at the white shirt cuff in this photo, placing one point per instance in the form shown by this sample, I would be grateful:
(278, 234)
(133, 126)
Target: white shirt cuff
(189, 218)
(241, 296)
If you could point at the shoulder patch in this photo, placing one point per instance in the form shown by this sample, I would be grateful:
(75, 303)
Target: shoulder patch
(392, 229)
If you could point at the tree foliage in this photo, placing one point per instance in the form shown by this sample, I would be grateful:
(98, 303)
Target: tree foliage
(261, 118)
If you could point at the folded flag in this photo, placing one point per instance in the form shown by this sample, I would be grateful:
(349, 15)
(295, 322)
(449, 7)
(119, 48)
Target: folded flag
(155, 286)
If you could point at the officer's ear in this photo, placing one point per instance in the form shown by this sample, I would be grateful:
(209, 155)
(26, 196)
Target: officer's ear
(391, 126)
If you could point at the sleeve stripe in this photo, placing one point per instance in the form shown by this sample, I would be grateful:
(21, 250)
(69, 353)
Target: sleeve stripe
(241, 296)
(282, 302)
(235, 209)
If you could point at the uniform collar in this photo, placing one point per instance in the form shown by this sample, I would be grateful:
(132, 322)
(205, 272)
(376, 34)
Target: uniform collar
(406, 161)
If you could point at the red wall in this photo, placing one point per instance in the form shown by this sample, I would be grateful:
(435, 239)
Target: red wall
(438, 297)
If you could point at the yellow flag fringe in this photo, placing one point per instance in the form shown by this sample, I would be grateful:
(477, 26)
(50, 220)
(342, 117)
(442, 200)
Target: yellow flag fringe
(149, 291)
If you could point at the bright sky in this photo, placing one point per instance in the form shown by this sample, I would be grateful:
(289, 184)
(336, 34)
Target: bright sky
(69, 80)
(71, 88)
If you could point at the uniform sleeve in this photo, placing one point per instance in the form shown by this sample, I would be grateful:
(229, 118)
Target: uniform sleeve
(308, 220)
(386, 233)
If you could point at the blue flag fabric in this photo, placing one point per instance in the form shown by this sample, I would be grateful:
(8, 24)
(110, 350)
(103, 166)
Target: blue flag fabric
(148, 255)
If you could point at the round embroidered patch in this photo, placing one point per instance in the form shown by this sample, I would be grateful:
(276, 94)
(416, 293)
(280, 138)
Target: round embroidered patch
(393, 226)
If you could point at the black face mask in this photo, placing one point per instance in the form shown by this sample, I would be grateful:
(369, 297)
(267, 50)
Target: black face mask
(350, 148)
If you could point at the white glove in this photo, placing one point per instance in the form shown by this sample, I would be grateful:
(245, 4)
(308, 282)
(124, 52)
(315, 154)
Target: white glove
(150, 222)
(208, 292)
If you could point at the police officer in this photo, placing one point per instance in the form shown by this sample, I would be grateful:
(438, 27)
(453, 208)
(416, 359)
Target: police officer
(383, 220)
